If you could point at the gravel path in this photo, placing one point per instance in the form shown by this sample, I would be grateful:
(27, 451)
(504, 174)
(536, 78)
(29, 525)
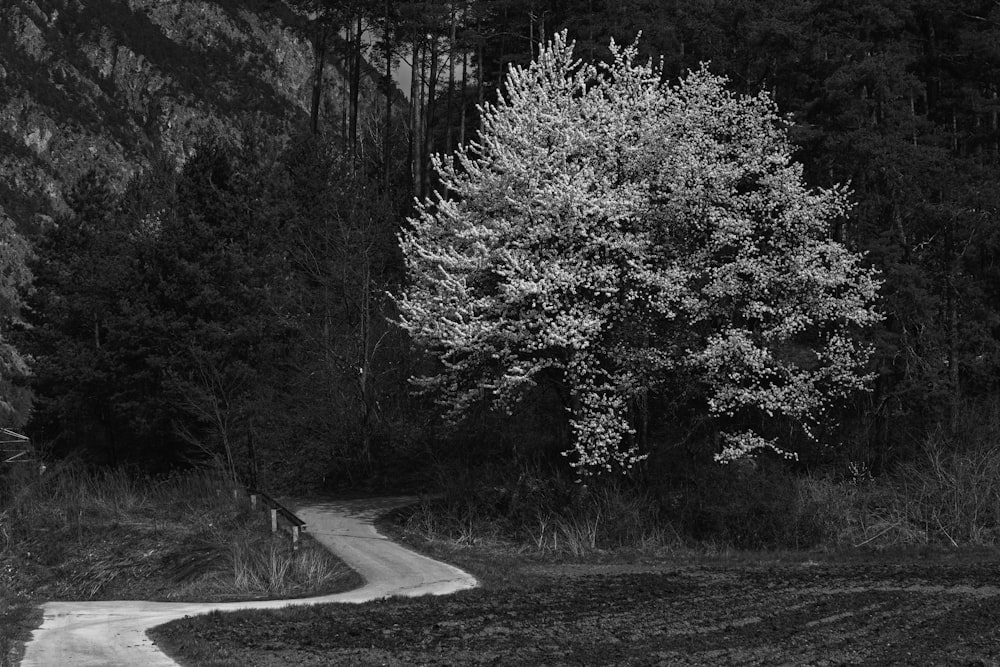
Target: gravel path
(114, 633)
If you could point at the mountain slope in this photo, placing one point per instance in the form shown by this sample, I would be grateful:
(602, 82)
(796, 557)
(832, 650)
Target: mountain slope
(113, 83)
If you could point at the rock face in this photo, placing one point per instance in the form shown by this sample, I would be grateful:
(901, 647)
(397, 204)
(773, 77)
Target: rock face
(112, 83)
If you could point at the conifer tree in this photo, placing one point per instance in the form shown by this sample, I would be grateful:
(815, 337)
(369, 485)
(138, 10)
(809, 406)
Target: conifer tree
(15, 279)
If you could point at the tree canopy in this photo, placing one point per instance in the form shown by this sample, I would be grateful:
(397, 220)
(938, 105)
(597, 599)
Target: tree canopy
(15, 278)
(631, 237)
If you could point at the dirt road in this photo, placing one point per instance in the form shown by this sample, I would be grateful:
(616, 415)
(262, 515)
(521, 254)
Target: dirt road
(114, 633)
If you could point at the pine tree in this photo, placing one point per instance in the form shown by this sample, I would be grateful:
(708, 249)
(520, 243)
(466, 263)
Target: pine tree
(80, 264)
(15, 280)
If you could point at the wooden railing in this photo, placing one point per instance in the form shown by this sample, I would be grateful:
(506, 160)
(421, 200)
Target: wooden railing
(294, 524)
(15, 448)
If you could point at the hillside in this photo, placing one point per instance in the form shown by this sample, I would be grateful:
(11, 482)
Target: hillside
(112, 83)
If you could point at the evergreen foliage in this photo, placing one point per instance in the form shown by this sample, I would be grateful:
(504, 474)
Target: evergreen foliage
(15, 279)
(150, 308)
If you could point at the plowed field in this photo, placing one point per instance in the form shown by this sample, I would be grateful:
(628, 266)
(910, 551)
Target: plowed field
(933, 613)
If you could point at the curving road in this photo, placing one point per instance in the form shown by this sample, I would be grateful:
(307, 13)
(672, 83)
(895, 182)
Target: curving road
(114, 633)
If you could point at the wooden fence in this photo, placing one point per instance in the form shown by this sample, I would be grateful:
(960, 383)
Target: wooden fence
(280, 515)
(15, 449)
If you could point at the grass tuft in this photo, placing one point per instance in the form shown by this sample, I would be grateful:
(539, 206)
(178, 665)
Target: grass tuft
(544, 517)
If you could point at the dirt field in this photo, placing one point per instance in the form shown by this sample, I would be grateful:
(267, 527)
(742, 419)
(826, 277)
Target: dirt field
(943, 611)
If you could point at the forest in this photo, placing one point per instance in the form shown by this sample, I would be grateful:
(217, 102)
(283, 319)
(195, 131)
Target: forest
(244, 306)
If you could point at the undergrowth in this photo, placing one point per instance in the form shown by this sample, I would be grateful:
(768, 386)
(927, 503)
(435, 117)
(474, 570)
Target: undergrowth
(949, 497)
(544, 514)
(78, 534)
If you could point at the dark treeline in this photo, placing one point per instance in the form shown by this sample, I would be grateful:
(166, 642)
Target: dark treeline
(239, 308)
(232, 310)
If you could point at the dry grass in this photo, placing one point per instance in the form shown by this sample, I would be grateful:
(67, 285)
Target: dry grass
(608, 518)
(948, 498)
(75, 534)
(604, 519)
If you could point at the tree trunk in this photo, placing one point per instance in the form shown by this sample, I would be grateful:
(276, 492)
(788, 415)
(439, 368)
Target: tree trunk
(642, 427)
(252, 454)
(531, 31)
(465, 81)
(451, 80)
(897, 220)
(951, 315)
(346, 65)
(319, 52)
(482, 64)
(429, 113)
(387, 131)
(367, 353)
(415, 139)
(995, 124)
(355, 91)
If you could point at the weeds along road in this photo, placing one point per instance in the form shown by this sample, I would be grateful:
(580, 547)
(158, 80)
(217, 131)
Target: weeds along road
(114, 633)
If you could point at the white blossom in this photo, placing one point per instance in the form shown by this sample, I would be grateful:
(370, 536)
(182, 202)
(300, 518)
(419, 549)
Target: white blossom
(622, 232)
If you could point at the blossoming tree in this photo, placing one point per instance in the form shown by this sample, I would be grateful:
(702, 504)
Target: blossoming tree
(626, 235)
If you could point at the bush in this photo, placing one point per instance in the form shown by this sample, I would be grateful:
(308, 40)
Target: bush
(950, 495)
(954, 494)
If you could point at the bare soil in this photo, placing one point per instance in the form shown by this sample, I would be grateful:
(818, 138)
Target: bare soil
(941, 611)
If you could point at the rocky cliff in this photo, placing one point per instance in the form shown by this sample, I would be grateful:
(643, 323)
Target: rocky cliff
(113, 83)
